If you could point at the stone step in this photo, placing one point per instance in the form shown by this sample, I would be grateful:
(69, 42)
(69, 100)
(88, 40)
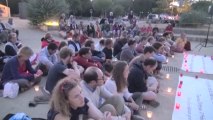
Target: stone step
(191, 37)
(193, 31)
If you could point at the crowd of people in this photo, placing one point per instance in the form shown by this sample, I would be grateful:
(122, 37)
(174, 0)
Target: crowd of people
(112, 79)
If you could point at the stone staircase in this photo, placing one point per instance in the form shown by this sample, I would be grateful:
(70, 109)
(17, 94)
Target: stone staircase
(194, 34)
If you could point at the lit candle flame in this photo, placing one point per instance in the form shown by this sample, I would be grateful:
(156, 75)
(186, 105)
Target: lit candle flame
(149, 114)
(167, 76)
(169, 90)
(36, 88)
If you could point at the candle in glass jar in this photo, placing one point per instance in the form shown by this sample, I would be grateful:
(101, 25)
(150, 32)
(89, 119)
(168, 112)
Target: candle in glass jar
(36, 88)
(167, 76)
(169, 90)
(167, 60)
(179, 93)
(173, 56)
(177, 106)
(149, 114)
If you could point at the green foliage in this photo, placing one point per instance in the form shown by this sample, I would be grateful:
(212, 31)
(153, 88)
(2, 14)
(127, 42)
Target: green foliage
(102, 6)
(193, 19)
(118, 10)
(40, 11)
(201, 6)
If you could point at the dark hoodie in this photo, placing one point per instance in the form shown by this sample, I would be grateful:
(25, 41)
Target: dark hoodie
(137, 78)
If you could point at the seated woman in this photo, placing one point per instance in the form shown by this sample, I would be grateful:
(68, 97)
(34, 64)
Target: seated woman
(159, 55)
(181, 44)
(48, 39)
(118, 85)
(68, 103)
(141, 44)
(11, 47)
(84, 58)
(19, 70)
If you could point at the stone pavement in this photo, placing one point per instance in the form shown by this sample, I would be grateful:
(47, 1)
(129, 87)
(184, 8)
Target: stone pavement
(31, 36)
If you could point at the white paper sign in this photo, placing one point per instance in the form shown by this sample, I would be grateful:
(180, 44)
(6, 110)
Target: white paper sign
(198, 63)
(196, 100)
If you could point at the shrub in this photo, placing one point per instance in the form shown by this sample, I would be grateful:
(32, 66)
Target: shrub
(201, 6)
(193, 19)
(41, 10)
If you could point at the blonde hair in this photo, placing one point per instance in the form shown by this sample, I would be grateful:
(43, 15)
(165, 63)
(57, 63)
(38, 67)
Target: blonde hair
(26, 51)
(59, 101)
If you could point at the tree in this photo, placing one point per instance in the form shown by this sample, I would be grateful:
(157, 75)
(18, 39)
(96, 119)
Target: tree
(102, 6)
(201, 6)
(118, 10)
(40, 11)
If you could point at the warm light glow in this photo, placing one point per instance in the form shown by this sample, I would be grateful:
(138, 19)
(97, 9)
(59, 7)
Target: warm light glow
(149, 114)
(52, 23)
(36, 88)
(169, 90)
(167, 76)
(167, 60)
(173, 56)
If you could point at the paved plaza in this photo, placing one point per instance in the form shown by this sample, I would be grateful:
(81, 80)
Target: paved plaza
(31, 36)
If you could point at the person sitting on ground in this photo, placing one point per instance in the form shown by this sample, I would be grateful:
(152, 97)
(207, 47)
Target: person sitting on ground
(19, 70)
(98, 29)
(118, 85)
(141, 45)
(100, 45)
(151, 40)
(83, 38)
(167, 46)
(74, 44)
(148, 52)
(96, 55)
(181, 44)
(84, 58)
(128, 51)
(119, 43)
(138, 80)
(108, 49)
(92, 87)
(107, 70)
(159, 55)
(11, 47)
(66, 106)
(47, 58)
(58, 71)
(91, 30)
(47, 39)
(106, 29)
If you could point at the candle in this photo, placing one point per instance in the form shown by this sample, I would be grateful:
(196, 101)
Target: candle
(36, 88)
(181, 82)
(167, 76)
(180, 86)
(187, 70)
(185, 61)
(181, 75)
(167, 60)
(149, 114)
(179, 93)
(196, 77)
(173, 56)
(177, 106)
(169, 90)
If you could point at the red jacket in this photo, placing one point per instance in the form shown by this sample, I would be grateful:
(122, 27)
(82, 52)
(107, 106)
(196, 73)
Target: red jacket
(84, 62)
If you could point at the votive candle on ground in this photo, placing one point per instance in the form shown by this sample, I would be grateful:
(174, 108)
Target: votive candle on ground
(173, 56)
(167, 60)
(179, 93)
(177, 106)
(36, 88)
(169, 90)
(149, 114)
(167, 76)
